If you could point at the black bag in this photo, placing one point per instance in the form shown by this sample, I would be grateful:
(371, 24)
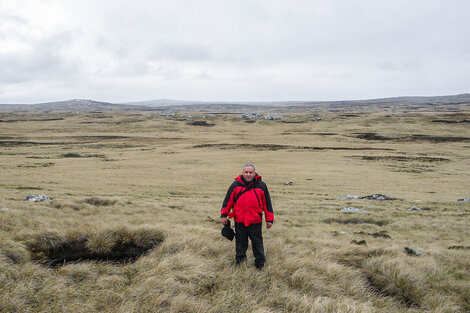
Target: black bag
(227, 231)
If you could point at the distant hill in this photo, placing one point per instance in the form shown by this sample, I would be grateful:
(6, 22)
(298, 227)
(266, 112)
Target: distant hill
(396, 104)
(75, 105)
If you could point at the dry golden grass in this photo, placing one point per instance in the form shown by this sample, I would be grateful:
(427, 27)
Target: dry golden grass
(123, 181)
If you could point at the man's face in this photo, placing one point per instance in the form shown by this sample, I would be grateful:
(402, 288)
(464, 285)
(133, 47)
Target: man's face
(248, 173)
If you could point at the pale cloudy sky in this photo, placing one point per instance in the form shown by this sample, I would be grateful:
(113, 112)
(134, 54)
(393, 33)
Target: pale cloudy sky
(232, 50)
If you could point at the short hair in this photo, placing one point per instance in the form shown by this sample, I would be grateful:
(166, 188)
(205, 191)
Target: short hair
(249, 164)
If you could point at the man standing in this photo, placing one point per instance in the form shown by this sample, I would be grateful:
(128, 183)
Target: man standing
(246, 200)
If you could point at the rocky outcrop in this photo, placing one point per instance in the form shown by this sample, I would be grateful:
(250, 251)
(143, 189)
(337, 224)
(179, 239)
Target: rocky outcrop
(377, 196)
(37, 198)
(411, 251)
(352, 209)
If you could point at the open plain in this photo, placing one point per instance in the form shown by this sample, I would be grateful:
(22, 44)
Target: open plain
(133, 224)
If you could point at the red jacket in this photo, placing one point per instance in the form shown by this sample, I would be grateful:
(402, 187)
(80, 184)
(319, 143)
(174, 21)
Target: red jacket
(246, 202)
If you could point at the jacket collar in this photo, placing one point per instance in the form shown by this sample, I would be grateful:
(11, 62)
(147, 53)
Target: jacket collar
(242, 180)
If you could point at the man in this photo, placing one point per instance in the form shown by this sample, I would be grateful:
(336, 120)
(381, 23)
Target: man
(248, 197)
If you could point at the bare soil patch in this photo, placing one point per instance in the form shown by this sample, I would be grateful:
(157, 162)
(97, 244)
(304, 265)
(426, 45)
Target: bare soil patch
(413, 138)
(451, 121)
(32, 120)
(399, 158)
(16, 143)
(201, 123)
(275, 147)
(380, 234)
(78, 155)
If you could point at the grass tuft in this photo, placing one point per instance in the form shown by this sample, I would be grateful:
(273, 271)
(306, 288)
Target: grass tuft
(390, 279)
(356, 256)
(102, 243)
(14, 252)
(99, 202)
(45, 241)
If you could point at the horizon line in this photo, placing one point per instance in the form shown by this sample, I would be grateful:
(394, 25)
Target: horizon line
(236, 101)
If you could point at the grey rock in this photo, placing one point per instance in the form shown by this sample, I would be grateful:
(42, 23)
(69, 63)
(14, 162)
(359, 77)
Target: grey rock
(168, 114)
(250, 115)
(4, 209)
(463, 200)
(415, 208)
(376, 197)
(37, 198)
(352, 209)
(185, 116)
(350, 197)
(289, 183)
(273, 117)
(411, 251)
(345, 233)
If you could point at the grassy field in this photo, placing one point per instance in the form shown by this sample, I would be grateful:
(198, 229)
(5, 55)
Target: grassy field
(133, 225)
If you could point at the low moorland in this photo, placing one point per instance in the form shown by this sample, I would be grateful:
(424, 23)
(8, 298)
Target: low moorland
(133, 224)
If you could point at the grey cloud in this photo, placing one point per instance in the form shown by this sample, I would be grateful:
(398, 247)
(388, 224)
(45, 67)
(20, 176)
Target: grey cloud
(168, 72)
(405, 64)
(163, 50)
(9, 24)
(181, 52)
(43, 59)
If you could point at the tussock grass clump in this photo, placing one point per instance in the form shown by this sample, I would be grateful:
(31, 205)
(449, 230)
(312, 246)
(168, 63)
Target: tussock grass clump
(120, 244)
(77, 206)
(355, 220)
(99, 201)
(356, 256)
(45, 241)
(391, 279)
(13, 252)
(57, 204)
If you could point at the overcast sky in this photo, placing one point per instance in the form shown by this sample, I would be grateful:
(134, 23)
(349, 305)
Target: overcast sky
(232, 50)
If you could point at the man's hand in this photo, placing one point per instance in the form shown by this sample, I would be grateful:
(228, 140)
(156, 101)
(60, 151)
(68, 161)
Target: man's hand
(223, 220)
(269, 225)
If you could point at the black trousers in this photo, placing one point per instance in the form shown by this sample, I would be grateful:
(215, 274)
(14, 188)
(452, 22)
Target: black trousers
(242, 234)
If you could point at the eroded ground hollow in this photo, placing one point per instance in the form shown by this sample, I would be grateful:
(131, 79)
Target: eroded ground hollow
(116, 245)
